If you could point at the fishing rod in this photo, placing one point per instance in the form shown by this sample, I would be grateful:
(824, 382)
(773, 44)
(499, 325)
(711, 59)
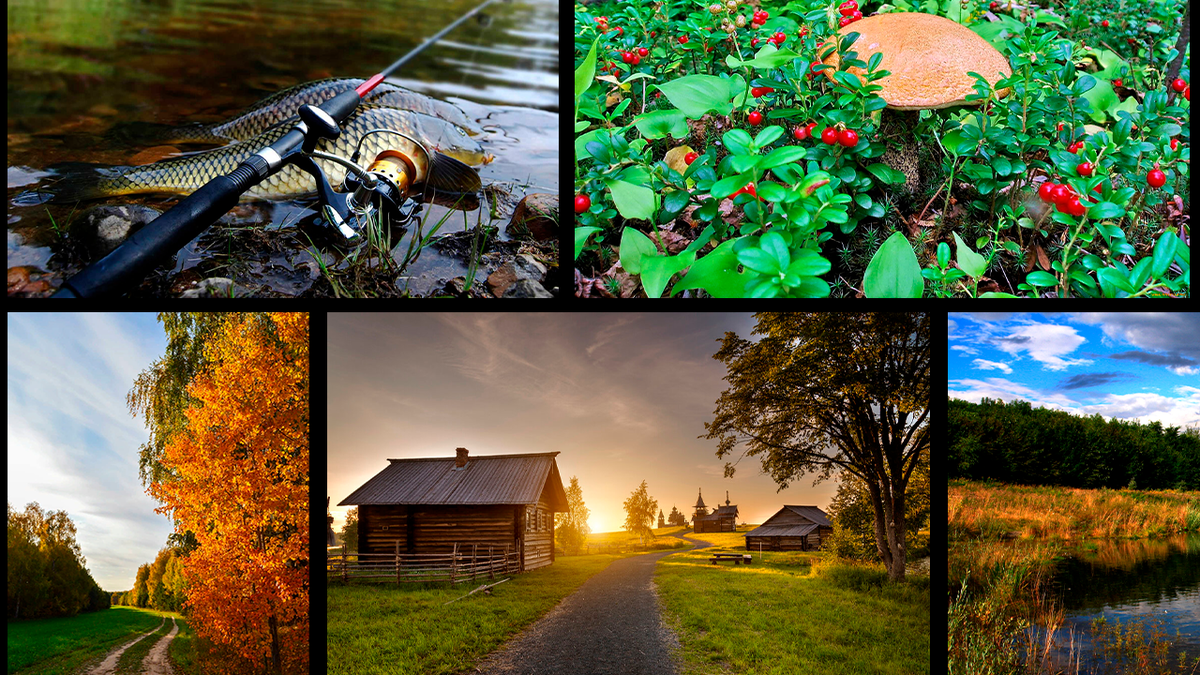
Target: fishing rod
(165, 235)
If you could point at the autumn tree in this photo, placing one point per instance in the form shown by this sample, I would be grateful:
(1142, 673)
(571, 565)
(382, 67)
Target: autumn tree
(140, 590)
(826, 392)
(350, 530)
(639, 513)
(571, 526)
(233, 471)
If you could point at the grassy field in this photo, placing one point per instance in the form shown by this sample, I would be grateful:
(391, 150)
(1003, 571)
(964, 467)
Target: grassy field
(59, 646)
(998, 590)
(792, 612)
(1032, 512)
(385, 630)
(624, 539)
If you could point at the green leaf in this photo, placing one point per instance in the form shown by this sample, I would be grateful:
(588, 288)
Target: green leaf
(673, 203)
(716, 273)
(808, 263)
(1166, 130)
(770, 191)
(1116, 278)
(1105, 210)
(760, 261)
(727, 186)
(969, 261)
(767, 136)
(773, 244)
(1002, 166)
(994, 294)
(635, 247)
(661, 123)
(958, 142)
(635, 202)
(744, 163)
(1040, 278)
(738, 141)
(584, 74)
(943, 255)
(767, 58)
(581, 237)
(1164, 253)
(785, 155)
(698, 94)
(894, 271)
(863, 199)
(658, 270)
(886, 174)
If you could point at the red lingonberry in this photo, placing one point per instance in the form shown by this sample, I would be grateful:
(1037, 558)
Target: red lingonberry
(755, 118)
(848, 138)
(829, 136)
(1156, 178)
(1179, 85)
(800, 133)
(1117, 82)
(780, 37)
(1104, 23)
(1075, 207)
(582, 203)
(753, 42)
(683, 39)
(689, 158)
(845, 21)
(1174, 144)
(1085, 169)
(642, 51)
(1044, 191)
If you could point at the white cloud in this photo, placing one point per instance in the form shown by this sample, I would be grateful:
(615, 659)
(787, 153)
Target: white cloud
(1005, 390)
(1045, 343)
(981, 364)
(969, 351)
(1146, 407)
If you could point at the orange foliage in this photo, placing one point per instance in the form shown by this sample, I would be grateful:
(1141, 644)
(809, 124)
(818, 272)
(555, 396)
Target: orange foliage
(241, 486)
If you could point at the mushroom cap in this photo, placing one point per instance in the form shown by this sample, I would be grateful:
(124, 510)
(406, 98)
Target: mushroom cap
(928, 56)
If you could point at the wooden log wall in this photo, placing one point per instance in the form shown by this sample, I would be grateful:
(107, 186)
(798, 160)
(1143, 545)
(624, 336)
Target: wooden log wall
(539, 536)
(434, 529)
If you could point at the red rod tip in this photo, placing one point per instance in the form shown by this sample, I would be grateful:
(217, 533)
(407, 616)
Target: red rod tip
(368, 85)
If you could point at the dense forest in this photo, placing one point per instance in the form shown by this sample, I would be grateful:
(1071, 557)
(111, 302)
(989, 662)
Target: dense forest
(158, 585)
(47, 573)
(1018, 443)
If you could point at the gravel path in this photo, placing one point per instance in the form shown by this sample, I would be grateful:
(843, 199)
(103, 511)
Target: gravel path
(610, 625)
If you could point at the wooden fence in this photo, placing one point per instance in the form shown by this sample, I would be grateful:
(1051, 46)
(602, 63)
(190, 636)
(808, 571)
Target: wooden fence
(464, 563)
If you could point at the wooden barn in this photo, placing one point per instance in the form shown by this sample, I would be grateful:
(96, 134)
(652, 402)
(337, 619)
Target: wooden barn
(428, 505)
(794, 528)
(723, 519)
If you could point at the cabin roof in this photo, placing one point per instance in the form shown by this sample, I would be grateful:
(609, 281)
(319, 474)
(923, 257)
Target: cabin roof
(814, 515)
(721, 512)
(486, 479)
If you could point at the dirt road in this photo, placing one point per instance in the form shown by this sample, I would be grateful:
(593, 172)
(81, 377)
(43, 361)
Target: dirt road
(155, 663)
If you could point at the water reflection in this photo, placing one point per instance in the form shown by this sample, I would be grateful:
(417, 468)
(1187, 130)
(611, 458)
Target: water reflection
(1154, 584)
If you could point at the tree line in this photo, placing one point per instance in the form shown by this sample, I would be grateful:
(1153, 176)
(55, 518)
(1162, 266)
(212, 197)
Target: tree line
(159, 585)
(1017, 443)
(47, 573)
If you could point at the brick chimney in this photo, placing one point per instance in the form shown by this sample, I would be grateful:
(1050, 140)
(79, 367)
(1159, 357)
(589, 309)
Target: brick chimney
(460, 459)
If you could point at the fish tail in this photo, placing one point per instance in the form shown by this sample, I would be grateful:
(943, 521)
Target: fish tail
(447, 174)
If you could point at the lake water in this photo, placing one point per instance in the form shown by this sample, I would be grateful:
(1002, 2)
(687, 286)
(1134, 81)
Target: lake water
(1152, 583)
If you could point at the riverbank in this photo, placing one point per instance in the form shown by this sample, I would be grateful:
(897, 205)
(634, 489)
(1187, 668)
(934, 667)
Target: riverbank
(1004, 612)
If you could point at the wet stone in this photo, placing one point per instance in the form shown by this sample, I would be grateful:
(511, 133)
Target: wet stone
(536, 216)
(102, 228)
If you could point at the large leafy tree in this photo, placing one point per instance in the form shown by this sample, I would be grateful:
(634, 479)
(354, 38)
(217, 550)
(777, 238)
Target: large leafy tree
(47, 573)
(571, 526)
(235, 474)
(639, 513)
(825, 392)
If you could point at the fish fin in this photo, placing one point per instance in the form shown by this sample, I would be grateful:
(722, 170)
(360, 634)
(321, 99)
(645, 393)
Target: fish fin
(450, 175)
(80, 182)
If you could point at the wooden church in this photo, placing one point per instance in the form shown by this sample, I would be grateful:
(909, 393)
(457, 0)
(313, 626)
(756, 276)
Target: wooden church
(722, 519)
(428, 505)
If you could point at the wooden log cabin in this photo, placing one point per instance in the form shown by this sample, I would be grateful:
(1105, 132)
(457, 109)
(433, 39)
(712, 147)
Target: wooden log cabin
(722, 519)
(428, 505)
(793, 528)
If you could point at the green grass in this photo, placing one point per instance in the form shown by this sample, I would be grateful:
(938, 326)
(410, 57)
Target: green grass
(793, 612)
(61, 645)
(182, 651)
(385, 630)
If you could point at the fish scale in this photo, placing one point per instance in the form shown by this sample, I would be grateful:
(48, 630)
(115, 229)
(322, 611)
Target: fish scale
(184, 175)
(283, 105)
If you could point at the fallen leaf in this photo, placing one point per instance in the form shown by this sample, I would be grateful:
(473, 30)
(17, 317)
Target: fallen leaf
(674, 158)
(1043, 260)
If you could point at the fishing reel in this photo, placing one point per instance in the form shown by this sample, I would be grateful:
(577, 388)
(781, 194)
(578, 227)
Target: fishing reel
(377, 192)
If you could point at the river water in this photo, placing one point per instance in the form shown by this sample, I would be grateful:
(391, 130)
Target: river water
(1151, 586)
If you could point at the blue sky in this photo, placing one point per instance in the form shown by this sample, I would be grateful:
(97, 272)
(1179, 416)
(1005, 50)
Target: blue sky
(1126, 365)
(72, 443)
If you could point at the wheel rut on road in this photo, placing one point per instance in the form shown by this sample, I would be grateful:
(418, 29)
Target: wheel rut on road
(611, 625)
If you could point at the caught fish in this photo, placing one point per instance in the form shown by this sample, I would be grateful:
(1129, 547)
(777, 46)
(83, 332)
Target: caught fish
(446, 169)
(283, 105)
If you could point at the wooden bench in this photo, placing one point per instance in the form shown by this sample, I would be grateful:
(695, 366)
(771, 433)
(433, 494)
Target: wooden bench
(737, 558)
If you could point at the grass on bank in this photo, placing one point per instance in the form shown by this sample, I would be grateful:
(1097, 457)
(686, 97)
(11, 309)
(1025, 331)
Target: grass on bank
(60, 645)
(989, 511)
(381, 629)
(792, 612)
